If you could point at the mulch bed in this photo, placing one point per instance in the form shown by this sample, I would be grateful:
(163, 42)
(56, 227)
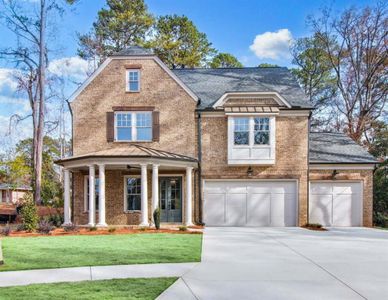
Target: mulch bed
(314, 228)
(105, 231)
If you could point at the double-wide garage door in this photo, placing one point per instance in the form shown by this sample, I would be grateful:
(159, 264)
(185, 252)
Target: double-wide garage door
(336, 203)
(252, 203)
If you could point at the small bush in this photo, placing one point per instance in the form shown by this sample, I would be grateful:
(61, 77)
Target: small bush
(183, 228)
(57, 220)
(45, 226)
(7, 230)
(94, 228)
(20, 227)
(70, 228)
(157, 218)
(314, 225)
(380, 219)
(142, 228)
(29, 214)
(111, 229)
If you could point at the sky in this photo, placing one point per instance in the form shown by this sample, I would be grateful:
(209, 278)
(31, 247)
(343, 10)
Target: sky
(255, 31)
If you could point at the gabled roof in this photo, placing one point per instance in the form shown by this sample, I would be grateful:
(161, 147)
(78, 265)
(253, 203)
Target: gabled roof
(211, 84)
(134, 50)
(130, 151)
(326, 148)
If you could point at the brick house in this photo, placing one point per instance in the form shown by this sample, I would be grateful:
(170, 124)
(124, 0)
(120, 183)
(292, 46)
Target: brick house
(226, 147)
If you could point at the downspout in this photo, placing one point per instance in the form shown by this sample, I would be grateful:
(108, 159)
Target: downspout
(308, 168)
(199, 124)
(72, 176)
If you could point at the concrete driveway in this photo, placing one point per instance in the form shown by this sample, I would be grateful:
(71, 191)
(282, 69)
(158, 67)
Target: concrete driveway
(288, 263)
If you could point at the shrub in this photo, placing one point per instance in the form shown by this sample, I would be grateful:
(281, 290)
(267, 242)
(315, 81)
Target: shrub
(157, 218)
(111, 229)
(45, 226)
(56, 220)
(142, 228)
(20, 227)
(70, 228)
(380, 219)
(29, 214)
(94, 228)
(7, 230)
(183, 228)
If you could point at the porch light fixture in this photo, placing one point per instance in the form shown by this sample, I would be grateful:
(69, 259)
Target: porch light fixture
(335, 173)
(250, 171)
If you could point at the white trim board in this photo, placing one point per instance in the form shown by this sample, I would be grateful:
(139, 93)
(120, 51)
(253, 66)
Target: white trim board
(342, 166)
(109, 59)
(247, 95)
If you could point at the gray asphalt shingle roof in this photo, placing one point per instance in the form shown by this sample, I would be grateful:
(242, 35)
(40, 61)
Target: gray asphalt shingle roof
(210, 84)
(134, 50)
(337, 148)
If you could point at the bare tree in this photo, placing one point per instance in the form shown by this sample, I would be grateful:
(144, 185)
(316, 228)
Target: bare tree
(30, 56)
(356, 43)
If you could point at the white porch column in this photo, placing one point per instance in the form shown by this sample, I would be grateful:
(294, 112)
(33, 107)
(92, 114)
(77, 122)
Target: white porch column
(155, 187)
(101, 195)
(144, 196)
(189, 189)
(92, 207)
(66, 206)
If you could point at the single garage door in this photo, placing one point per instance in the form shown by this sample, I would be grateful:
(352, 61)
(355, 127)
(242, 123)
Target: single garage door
(255, 203)
(336, 203)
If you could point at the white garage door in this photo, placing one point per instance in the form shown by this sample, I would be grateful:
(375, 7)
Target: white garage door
(255, 203)
(336, 203)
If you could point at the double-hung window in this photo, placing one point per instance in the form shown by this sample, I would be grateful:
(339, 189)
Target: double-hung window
(132, 193)
(133, 80)
(261, 131)
(133, 126)
(243, 129)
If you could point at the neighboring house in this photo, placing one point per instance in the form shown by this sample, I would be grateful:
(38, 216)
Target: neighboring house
(227, 147)
(11, 194)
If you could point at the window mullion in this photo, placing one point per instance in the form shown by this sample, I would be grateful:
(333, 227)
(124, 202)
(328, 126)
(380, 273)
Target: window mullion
(251, 131)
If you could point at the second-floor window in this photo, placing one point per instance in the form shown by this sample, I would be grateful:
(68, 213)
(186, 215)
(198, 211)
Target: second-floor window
(133, 126)
(133, 80)
(244, 126)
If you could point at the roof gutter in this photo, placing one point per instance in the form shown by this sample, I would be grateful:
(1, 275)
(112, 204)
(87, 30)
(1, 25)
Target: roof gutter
(199, 124)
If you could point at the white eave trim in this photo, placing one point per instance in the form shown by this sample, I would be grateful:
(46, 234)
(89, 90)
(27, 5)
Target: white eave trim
(342, 166)
(246, 95)
(109, 59)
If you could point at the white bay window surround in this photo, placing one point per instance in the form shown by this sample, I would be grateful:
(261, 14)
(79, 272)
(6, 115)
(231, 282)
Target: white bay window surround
(251, 139)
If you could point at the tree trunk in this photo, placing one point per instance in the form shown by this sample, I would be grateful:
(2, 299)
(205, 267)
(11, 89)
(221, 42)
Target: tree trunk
(40, 129)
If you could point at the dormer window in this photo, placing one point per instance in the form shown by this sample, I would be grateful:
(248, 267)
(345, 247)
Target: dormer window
(133, 80)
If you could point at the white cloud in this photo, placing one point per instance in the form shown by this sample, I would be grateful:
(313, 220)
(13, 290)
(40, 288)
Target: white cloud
(21, 104)
(272, 45)
(7, 79)
(75, 68)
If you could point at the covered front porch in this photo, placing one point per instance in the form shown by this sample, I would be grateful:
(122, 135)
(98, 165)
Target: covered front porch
(123, 186)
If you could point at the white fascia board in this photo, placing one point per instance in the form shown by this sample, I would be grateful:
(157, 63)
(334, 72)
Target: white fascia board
(230, 95)
(342, 166)
(109, 59)
(263, 114)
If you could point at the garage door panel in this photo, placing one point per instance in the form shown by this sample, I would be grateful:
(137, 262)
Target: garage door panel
(321, 189)
(321, 209)
(251, 203)
(236, 205)
(340, 207)
(214, 209)
(258, 209)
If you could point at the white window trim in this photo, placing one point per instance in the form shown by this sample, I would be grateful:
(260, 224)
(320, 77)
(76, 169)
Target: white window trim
(126, 193)
(133, 128)
(251, 145)
(127, 89)
(86, 190)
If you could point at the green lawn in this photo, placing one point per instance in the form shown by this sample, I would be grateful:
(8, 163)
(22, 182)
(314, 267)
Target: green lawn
(22, 253)
(104, 289)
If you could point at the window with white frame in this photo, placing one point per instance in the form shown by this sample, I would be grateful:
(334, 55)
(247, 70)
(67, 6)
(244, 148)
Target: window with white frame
(251, 140)
(133, 126)
(133, 80)
(86, 193)
(132, 193)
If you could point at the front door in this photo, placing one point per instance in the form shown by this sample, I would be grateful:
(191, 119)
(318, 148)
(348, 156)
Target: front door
(171, 199)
